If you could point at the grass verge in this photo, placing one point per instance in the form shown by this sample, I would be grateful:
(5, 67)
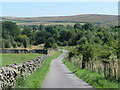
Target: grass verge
(93, 78)
(35, 80)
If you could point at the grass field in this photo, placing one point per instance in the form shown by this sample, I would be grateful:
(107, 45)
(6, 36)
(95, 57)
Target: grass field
(35, 80)
(93, 78)
(6, 59)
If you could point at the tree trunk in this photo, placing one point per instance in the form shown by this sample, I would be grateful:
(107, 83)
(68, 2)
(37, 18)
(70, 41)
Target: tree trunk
(84, 62)
(105, 70)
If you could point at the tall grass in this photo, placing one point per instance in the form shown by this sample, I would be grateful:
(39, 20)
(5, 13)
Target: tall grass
(93, 78)
(35, 80)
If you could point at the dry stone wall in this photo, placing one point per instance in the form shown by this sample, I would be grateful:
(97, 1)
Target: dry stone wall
(42, 51)
(9, 74)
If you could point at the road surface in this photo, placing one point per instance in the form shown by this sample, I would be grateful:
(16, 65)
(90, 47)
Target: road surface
(60, 76)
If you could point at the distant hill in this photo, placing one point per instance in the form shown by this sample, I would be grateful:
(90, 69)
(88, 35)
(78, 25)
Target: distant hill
(98, 19)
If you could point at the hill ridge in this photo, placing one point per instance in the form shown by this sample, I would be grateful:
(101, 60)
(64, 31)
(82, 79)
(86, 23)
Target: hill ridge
(100, 19)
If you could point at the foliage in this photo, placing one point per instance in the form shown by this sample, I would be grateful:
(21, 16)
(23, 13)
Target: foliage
(7, 44)
(23, 39)
(78, 26)
(63, 35)
(93, 78)
(91, 41)
(50, 43)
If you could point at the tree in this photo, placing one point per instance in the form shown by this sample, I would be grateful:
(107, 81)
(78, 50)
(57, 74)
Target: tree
(82, 40)
(87, 52)
(41, 37)
(56, 36)
(65, 35)
(32, 37)
(35, 27)
(26, 31)
(78, 26)
(50, 29)
(24, 40)
(41, 27)
(11, 28)
(88, 26)
(50, 43)
(7, 44)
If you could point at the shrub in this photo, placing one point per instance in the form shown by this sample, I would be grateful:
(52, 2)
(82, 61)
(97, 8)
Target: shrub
(65, 43)
(7, 44)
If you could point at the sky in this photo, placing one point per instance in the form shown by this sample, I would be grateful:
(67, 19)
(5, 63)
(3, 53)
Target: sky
(40, 9)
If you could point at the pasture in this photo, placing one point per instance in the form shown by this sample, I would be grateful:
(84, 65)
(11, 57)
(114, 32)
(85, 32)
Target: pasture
(6, 59)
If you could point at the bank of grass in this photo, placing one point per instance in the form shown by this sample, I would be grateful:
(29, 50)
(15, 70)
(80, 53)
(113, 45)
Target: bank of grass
(93, 78)
(7, 59)
(67, 47)
(35, 80)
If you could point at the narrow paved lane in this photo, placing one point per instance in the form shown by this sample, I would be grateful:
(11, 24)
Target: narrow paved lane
(60, 76)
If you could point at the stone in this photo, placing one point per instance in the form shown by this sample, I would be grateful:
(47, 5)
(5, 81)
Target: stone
(9, 74)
